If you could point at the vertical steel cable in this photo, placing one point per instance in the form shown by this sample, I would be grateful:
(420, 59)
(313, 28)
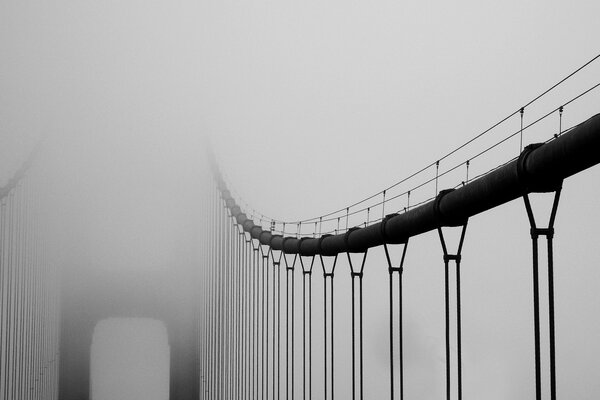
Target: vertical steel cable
(16, 349)
(218, 394)
(28, 297)
(10, 300)
(274, 331)
(240, 302)
(276, 260)
(289, 330)
(447, 326)
(357, 273)
(243, 313)
(399, 269)
(209, 338)
(215, 300)
(31, 296)
(209, 283)
(560, 115)
(3, 283)
(227, 295)
(256, 320)
(265, 329)
(551, 317)
(307, 267)
(457, 258)
(35, 306)
(250, 321)
(243, 300)
(521, 111)
(221, 312)
(25, 317)
(39, 314)
(400, 330)
(210, 296)
(549, 233)
(278, 267)
(225, 310)
(328, 299)
(253, 329)
(248, 307)
(206, 292)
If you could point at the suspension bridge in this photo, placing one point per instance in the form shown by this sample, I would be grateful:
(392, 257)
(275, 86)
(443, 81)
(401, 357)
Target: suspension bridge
(260, 322)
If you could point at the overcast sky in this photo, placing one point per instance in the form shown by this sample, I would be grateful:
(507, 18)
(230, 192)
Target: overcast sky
(310, 106)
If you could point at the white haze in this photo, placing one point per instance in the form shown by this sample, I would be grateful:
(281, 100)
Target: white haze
(309, 106)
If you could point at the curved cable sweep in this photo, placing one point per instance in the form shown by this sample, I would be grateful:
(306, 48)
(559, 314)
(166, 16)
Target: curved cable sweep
(540, 168)
(343, 211)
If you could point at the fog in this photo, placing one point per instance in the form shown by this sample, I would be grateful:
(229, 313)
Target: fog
(308, 106)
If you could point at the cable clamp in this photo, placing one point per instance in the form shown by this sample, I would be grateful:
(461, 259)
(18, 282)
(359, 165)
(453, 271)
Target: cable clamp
(450, 257)
(356, 274)
(536, 232)
(326, 274)
(528, 184)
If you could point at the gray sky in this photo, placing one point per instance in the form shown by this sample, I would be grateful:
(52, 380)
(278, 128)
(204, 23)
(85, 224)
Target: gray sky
(310, 106)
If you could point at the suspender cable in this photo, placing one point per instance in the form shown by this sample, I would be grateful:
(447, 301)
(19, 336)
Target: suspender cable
(396, 264)
(276, 260)
(10, 295)
(521, 112)
(211, 298)
(249, 308)
(220, 314)
(217, 336)
(26, 316)
(3, 291)
(16, 348)
(256, 318)
(328, 265)
(216, 300)
(560, 115)
(225, 305)
(241, 312)
(210, 362)
(357, 384)
(290, 262)
(307, 266)
(21, 293)
(549, 233)
(457, 258)
(244, 314)
(237, 232)
(279, 331)
(265, 320)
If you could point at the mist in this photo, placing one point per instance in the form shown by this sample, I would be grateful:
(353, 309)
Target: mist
(307, 107)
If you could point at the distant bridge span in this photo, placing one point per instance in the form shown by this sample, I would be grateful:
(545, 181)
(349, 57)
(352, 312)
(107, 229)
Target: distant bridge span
(227, 329)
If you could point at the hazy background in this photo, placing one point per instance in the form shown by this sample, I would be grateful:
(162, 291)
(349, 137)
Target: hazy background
(309, 106)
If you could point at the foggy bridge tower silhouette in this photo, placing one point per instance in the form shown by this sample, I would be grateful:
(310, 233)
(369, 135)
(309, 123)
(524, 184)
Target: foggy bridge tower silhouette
(97, 296)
